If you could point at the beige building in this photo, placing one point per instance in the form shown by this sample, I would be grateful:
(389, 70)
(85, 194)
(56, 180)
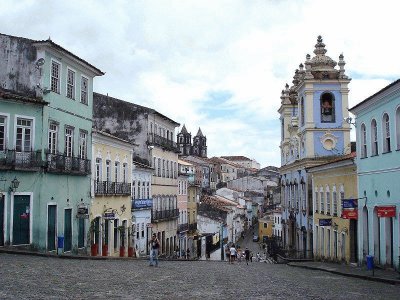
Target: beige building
(110, 212)
(335, 230)
(164, 154)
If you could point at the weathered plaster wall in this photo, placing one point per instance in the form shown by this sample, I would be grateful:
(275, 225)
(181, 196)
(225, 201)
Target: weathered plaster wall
(18, 71)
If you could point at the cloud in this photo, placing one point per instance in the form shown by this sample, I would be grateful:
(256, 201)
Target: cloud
(218, 65)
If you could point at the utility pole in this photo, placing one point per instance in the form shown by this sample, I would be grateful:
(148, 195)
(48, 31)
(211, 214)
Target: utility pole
(221, 241)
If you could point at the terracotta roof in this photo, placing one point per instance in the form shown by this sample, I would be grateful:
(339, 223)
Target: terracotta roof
(335, 160)
(7, 94)
(236, 158)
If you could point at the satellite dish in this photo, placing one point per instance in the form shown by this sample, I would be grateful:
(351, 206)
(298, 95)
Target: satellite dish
(40, 62)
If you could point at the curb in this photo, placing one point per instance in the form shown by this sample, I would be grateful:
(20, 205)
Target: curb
(365, 277)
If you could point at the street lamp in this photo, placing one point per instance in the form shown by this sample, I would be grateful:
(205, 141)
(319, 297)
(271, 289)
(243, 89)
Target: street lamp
(14, 184)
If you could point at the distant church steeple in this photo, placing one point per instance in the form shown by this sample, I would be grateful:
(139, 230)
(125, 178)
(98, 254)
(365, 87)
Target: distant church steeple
(199, 147)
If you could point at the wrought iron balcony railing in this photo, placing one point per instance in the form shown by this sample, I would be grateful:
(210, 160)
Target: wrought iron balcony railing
(162, 142)
(112, 188)
(183, 227)
(58, 163)
(25, 160)
(159, 215)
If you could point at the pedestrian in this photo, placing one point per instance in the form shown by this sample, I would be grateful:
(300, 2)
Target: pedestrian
(247, 255)
(154, 246)
(258, 256)
(188, 253)
(232, 254)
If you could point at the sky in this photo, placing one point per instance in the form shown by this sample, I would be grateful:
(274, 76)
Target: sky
(218, 65)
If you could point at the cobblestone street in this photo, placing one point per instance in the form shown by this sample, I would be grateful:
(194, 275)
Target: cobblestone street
(23, 277)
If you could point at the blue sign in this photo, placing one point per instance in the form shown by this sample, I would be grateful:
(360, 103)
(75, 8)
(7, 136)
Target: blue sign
(325, 222)
(349, 203)
(109, 216)
(142, 203)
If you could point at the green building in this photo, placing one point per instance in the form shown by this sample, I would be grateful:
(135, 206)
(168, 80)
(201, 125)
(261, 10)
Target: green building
(45, 145)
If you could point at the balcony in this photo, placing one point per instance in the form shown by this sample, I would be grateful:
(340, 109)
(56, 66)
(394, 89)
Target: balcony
(164, 215)
(183, 227)
(154, 139)
(112, 188)
(21, 160)
(58, 163)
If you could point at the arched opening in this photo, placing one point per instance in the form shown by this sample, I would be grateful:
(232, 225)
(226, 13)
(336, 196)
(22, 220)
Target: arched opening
(388, 222)
(327, 108)
(365, 232)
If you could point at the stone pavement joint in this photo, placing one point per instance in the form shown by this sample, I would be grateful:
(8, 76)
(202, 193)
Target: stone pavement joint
(381, 275)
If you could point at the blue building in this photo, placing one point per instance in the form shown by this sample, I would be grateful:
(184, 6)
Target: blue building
(312, 132)
(378, 163)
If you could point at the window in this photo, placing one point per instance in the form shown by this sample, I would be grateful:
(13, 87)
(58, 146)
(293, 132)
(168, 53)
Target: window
(70, 84)
(55, 77)
(398, 128)
(386, 133)
(116, 171)
(341, 197)
(23, 140)
(69, 137)
(53, 134)
(2, 133)
(82, 144)
(167, 172)
(321, 195)
(98, 169)
(302, 111)
(108, 170)
(148, 190)
(334, 201)
(328, 201)
(374, 138)
(163, 168)
(84, 90)
(134, 189)
(138, 190)
(363, 141)
(124, 172)
(327, 108)
(159, 167)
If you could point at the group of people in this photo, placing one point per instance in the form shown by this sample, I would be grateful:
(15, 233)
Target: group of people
(236, 254)
(154, 245)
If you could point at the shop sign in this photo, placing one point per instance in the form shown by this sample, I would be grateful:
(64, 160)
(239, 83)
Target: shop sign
(325, 222)
(142, 203)
(82, 212)
(350, 214)
(349, 203)
(386, 211)
(109, 216)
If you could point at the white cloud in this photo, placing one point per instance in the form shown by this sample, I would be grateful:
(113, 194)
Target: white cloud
(170, 55)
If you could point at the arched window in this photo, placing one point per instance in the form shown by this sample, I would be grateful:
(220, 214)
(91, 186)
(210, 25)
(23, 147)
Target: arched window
(302, 111)
(398, 127)
(386, 133)
(328, 200)
(316, 200)
(374, 138)
(363, 134)
(322, 205)
(334, 201)
(327, 108)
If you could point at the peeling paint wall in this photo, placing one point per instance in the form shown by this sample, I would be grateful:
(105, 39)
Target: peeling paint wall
(123, 119)
(18, 71)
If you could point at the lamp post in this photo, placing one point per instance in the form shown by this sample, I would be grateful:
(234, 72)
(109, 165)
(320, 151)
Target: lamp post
(14, 184)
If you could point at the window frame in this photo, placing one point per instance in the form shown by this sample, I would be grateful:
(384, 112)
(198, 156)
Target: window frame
(397, 127)
(83, 91)
(386, 147)
(23, 135)
(4, 144)
(68, 84)
(69, 141)
(57, 79)
(363, 138)
(52, 142)
(374, 138)
(333, 107)
(83, 143)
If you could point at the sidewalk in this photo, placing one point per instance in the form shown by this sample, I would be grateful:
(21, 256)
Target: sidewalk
(380, 275)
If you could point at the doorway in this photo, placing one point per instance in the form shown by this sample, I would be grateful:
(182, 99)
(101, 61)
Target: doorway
(51, 227)
(353, 241)
(67, 230)
(2, 220)
(21, 220)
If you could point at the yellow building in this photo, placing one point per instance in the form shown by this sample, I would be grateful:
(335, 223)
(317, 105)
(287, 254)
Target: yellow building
(110, 212)
(335, 235)
(265, 227)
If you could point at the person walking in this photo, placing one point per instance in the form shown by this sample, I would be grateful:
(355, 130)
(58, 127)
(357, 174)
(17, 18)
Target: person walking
(247, 255)
(233, 254)
(154, 246)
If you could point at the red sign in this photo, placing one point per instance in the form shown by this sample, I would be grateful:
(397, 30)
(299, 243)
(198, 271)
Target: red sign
(386, 211)
(351, 214)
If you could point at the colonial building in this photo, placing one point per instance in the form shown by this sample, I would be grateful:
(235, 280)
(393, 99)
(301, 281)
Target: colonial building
(244, 161)
(186, 148)
(142, 204)
(110, 210)
(334, 185)
(186, 170)
(378, 162)
(45, 144)
(312, 132)
(153, 136)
